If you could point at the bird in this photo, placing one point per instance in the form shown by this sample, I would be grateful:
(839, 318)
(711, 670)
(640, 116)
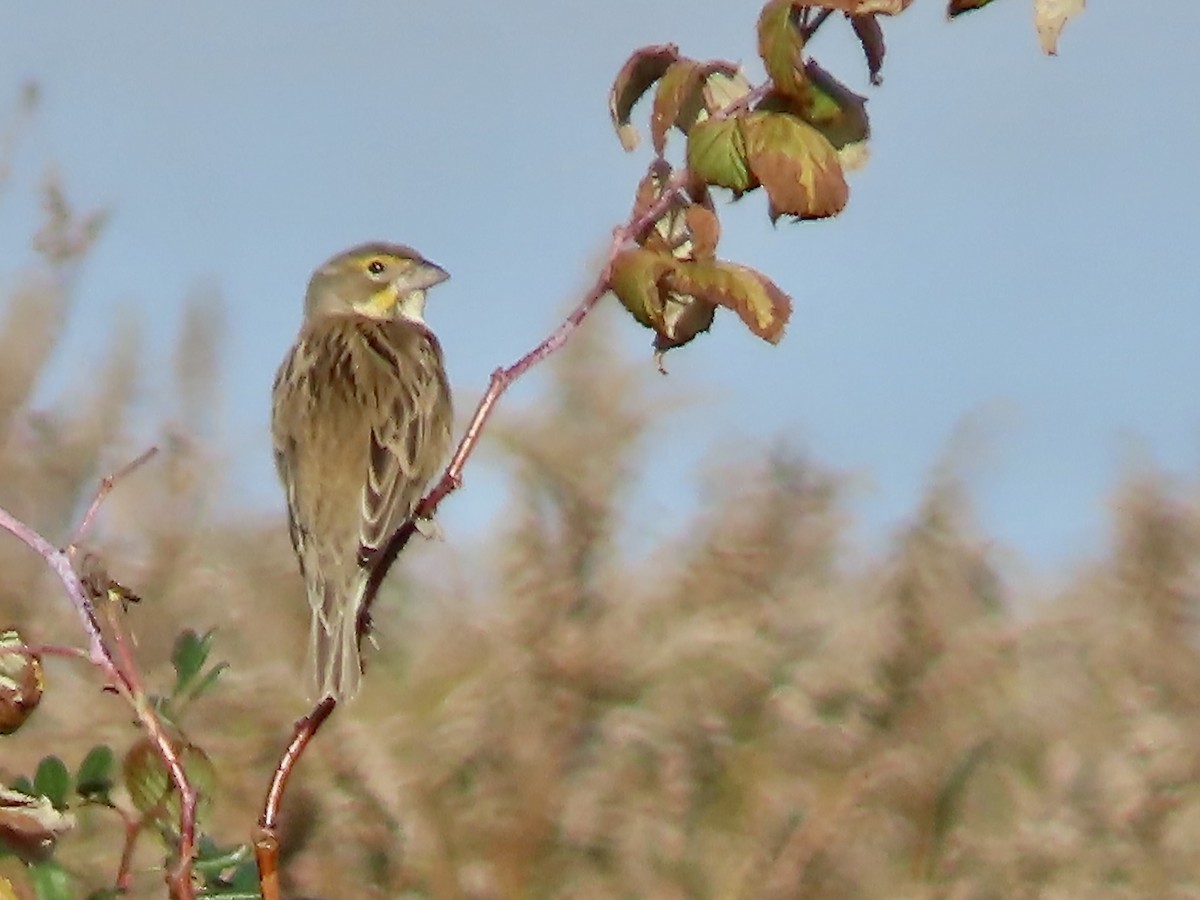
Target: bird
(361, 420)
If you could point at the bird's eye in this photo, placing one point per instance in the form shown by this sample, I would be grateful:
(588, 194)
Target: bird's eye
(376, 267)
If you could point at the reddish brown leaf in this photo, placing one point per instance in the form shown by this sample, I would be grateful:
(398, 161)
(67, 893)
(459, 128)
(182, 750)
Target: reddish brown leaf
(958, 7)
(704, 229)
(678, 83)
(870, 35)
(780, 44)
(684, 317)
(30, 826)
(644, 67)
(758, 302)
(796, 165)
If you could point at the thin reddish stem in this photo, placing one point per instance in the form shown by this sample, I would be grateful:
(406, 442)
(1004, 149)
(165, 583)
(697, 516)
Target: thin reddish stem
(106, 485)
(266, 844)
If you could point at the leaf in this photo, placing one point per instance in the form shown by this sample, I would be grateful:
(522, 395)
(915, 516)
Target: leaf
(30, 825)
(22, 681)
(94, 779)
(713, 87)
(780, 44)
(149, 783)
(644, 67)
(831, 108)
(716, 155)
(635, 279)
(51, 882)
(870, 35)
(723, 87)
(796, 165)
(188, 656)
(761, 305)
(704, 229)
(1049, 16)
(205, 684)
(868, 7)
(53, 781)
(684, 317)
(678, 83)
(667, 231)
(958, 7)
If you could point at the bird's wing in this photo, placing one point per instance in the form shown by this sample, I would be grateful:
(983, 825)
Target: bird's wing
(411, 429)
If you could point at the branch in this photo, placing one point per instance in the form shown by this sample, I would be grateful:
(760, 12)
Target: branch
(266, 843)
(632, 231)
(106, 485)
(123, 676)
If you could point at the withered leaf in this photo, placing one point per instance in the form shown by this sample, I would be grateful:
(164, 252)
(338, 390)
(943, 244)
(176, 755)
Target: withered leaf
(780, 44)
(958, 7)
(684, 317)
(681, 80)
(870, 35)
(796, 165)
(758, 302)
(704, 230)
(719, 85)
(1050, 16)
(668, 230)
(867, 7)
(644, 67)
(716, 155)
(30, 826)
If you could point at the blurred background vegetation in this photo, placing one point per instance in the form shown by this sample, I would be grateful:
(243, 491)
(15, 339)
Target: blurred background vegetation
(753, 709)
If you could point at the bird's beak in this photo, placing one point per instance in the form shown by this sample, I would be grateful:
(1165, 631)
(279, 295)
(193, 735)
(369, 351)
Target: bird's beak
(420, 277)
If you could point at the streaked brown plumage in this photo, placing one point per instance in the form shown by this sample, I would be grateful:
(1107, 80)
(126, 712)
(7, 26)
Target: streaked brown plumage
(361, 422)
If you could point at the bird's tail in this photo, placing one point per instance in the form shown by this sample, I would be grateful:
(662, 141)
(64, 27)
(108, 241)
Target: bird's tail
(335, 666)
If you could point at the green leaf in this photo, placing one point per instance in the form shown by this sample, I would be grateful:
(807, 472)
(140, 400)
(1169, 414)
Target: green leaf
(796, 164)
(644, 67)
(716, 155)
(53, 781)
(833, 109)
(51, 882)
(23, 785)
(94, 779)
(780, 44)
(761, 305)
(213, 859)
(635, 279)
(210, 678)
(149, 783)
(189, 655)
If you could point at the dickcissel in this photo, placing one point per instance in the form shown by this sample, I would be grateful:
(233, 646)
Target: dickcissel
(361, 420)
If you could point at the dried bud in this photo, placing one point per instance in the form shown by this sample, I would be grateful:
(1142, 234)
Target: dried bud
(21, 681)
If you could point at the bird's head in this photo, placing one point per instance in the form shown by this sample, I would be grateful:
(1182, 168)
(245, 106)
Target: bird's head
(377, 280)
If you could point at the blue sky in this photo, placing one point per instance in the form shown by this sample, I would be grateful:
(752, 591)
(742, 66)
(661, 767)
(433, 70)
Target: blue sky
(1017, 253)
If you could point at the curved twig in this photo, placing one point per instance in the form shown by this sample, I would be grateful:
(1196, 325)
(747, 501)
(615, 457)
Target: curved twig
(124, 676)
